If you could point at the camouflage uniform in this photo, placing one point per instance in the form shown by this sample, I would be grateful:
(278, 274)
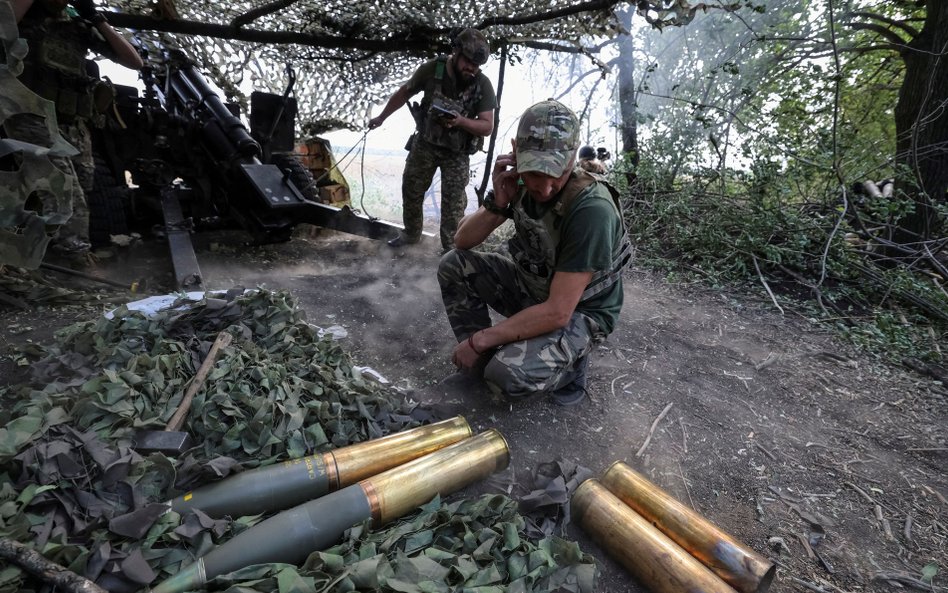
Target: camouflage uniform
(31, 128)
(55, 69)
(435, 146)
(580, 229)
(470, 283)
(423, 159)
(45, 174)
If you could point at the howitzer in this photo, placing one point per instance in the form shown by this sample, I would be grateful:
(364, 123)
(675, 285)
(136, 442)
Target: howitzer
(191, 159)
(293, 482)
(290, 536)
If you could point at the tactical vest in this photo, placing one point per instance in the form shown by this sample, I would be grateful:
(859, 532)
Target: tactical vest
(533, 247)
(453, 139)
(55, 67)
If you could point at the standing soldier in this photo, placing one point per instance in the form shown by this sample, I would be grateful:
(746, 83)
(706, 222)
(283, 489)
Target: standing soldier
(456, 113)
(59, 34)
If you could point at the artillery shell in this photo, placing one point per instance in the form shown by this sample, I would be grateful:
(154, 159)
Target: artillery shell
(287, 484)
(290, 536)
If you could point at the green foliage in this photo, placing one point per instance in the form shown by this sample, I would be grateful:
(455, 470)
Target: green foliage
(749, 227)
(749, 126)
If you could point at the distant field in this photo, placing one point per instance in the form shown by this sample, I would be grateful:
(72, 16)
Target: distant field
(382, 175)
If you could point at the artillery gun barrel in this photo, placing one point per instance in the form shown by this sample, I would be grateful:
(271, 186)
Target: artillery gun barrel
(290, 536)
(284, 485)
(742, 568)
(650, 555)
(225, 135)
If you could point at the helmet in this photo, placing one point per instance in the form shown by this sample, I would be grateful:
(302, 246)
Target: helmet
(587, 152)
(473, 45)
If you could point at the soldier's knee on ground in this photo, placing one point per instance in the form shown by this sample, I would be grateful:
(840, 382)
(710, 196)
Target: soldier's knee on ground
(507, 380)
(449, 268)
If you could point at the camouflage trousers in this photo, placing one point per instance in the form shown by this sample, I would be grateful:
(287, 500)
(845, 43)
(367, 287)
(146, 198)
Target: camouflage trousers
(471, 284)
(423, 159)
(31, 128)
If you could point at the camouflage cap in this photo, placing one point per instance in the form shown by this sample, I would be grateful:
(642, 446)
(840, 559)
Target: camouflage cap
(473, 45)
(547, 138)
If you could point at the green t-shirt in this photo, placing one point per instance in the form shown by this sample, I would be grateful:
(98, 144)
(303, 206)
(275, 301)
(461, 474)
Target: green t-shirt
(589, 233)
(426, 72)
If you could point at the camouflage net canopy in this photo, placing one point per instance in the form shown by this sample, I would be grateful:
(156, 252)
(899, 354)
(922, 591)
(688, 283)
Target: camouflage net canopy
(351, 54)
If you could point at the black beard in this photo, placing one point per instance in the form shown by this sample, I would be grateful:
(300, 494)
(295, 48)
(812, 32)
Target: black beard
(460, 78)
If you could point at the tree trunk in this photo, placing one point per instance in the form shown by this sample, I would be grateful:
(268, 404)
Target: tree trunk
(627, 109)
(921, 122)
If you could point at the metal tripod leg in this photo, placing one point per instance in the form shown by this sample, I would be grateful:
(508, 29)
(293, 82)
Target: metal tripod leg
(187, 273)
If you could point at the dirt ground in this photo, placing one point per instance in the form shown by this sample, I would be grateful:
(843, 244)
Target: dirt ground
(827, 462)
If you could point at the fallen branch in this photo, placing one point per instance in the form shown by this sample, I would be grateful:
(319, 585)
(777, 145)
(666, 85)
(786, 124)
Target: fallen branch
(926, 369)
(766, 286)
(907, 580)
(651, 430)
(861, 492)
(809, 585)
(614, 384)
(49, 572)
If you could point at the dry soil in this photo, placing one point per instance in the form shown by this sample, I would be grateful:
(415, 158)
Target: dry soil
(826, 461)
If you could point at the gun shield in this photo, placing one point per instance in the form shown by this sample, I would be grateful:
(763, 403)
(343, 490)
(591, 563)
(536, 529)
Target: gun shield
(740, 567)
(284, 485)
(290, 536)
(654, 559)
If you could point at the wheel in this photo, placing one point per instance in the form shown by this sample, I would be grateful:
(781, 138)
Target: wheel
(299, 175)
(107, 204)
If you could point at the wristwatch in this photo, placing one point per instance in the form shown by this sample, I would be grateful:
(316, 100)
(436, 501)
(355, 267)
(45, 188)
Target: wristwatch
(490, 206)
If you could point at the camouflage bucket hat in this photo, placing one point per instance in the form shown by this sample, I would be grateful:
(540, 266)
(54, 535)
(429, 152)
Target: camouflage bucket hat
(547, 138)
(473, 46)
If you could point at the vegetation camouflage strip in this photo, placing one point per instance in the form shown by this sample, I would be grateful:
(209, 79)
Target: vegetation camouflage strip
(74, 488)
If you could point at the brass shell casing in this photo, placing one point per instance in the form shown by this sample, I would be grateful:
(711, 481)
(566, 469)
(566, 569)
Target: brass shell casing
(739, 566)
(295, 481)
(356, 462)
(651, 556)
(398, 491)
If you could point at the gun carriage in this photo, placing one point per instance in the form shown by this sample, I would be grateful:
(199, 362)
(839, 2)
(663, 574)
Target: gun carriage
(192, 164)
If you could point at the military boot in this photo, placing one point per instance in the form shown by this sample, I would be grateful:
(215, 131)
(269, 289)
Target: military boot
(574, 389)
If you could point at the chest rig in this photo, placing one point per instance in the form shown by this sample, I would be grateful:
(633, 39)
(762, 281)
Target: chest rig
(439, 91)
(55, 67)
(533, 247)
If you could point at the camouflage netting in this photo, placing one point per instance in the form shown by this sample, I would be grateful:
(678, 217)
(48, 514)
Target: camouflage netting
(351, 54)
(73, 488)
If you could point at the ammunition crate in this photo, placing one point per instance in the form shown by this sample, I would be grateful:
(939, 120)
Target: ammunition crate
(314, 156)
(334, 194)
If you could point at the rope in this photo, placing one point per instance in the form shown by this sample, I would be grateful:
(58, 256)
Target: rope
(338, 166)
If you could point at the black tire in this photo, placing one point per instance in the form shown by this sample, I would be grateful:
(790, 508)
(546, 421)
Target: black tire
(299, 175)
(107, 203)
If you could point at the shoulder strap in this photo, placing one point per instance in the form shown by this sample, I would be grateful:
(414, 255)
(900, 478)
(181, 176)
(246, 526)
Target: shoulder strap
(578, 181)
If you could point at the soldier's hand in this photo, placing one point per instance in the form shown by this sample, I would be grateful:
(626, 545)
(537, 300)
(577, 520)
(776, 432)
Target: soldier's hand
(504, 178)
(464, 357)
(375, 122)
